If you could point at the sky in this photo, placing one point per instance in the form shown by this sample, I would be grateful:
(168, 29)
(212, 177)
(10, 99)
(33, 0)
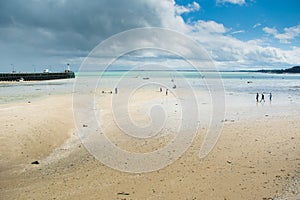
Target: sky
(237, 34)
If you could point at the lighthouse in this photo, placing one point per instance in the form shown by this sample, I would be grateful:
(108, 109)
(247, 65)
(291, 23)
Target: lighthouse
(68, 68)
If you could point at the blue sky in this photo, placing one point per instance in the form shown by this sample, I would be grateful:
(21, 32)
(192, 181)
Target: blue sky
(246, 21)
(238, 34)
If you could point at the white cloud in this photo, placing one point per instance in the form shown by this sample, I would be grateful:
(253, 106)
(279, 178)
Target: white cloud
(187, 9)
(238, 2)
(231, 53)
(256, 25)
(288, 34)
(237, 32)
(272, 31)
(208, 26)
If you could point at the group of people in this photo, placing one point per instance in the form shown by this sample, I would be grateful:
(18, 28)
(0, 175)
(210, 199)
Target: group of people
(110, 92)
(263, 97)
(167, 91)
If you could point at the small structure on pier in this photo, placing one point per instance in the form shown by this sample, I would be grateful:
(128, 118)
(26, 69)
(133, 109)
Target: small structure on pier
(46, 75)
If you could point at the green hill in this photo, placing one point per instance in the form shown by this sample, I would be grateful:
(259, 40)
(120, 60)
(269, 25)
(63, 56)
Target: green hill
(292, 70)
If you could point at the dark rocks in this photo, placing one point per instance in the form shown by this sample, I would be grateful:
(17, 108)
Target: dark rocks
(228, 120)
(35, 162)
(122, 193)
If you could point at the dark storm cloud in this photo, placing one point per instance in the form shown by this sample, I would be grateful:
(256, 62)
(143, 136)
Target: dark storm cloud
(58, 28)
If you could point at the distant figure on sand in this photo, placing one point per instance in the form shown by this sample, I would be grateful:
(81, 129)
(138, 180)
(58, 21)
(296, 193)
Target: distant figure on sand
(160, 89)
(257, 96)
(262, 97)
(167, 91)
(270, 96)
(116, 90)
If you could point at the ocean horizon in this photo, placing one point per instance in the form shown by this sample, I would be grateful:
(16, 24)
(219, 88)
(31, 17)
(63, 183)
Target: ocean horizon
(284, 86)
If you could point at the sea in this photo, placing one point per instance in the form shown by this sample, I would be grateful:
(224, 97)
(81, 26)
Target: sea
(239, 87)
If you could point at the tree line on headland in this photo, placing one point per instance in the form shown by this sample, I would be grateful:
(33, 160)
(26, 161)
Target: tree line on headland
(292, 70)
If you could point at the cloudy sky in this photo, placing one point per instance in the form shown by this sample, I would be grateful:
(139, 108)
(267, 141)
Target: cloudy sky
(238, 34)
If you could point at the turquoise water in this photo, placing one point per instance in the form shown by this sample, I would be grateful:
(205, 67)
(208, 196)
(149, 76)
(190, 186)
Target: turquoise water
(25, 91)
(191, 74)
(285, 86)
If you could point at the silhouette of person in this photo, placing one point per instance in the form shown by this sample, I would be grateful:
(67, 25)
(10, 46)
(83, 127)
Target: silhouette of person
(270, 96)
(262, 97)
(257, 96)
(167, 91)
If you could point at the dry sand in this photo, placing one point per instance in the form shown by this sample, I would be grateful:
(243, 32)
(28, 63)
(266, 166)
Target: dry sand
(254, 159)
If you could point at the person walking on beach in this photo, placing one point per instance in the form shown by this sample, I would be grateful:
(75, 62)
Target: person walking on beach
(160, 89)
(270, 96)
(116, 90)
(262, 97)
(167, 91)
(257, 96)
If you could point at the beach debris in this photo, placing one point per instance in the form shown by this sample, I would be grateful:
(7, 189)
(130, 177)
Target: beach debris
(123, 193)
(249, 82)
(29, 102)
(35, 162)
(229, 162)
(267, 198)
(228, 120)
(84, 125)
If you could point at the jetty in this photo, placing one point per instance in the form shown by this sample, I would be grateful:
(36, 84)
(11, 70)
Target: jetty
(39, 76)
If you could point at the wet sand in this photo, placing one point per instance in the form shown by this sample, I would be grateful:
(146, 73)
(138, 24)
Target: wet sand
(254, 159)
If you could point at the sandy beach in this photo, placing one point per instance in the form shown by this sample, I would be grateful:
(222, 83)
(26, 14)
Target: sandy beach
(149, 100)
(257, 158)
